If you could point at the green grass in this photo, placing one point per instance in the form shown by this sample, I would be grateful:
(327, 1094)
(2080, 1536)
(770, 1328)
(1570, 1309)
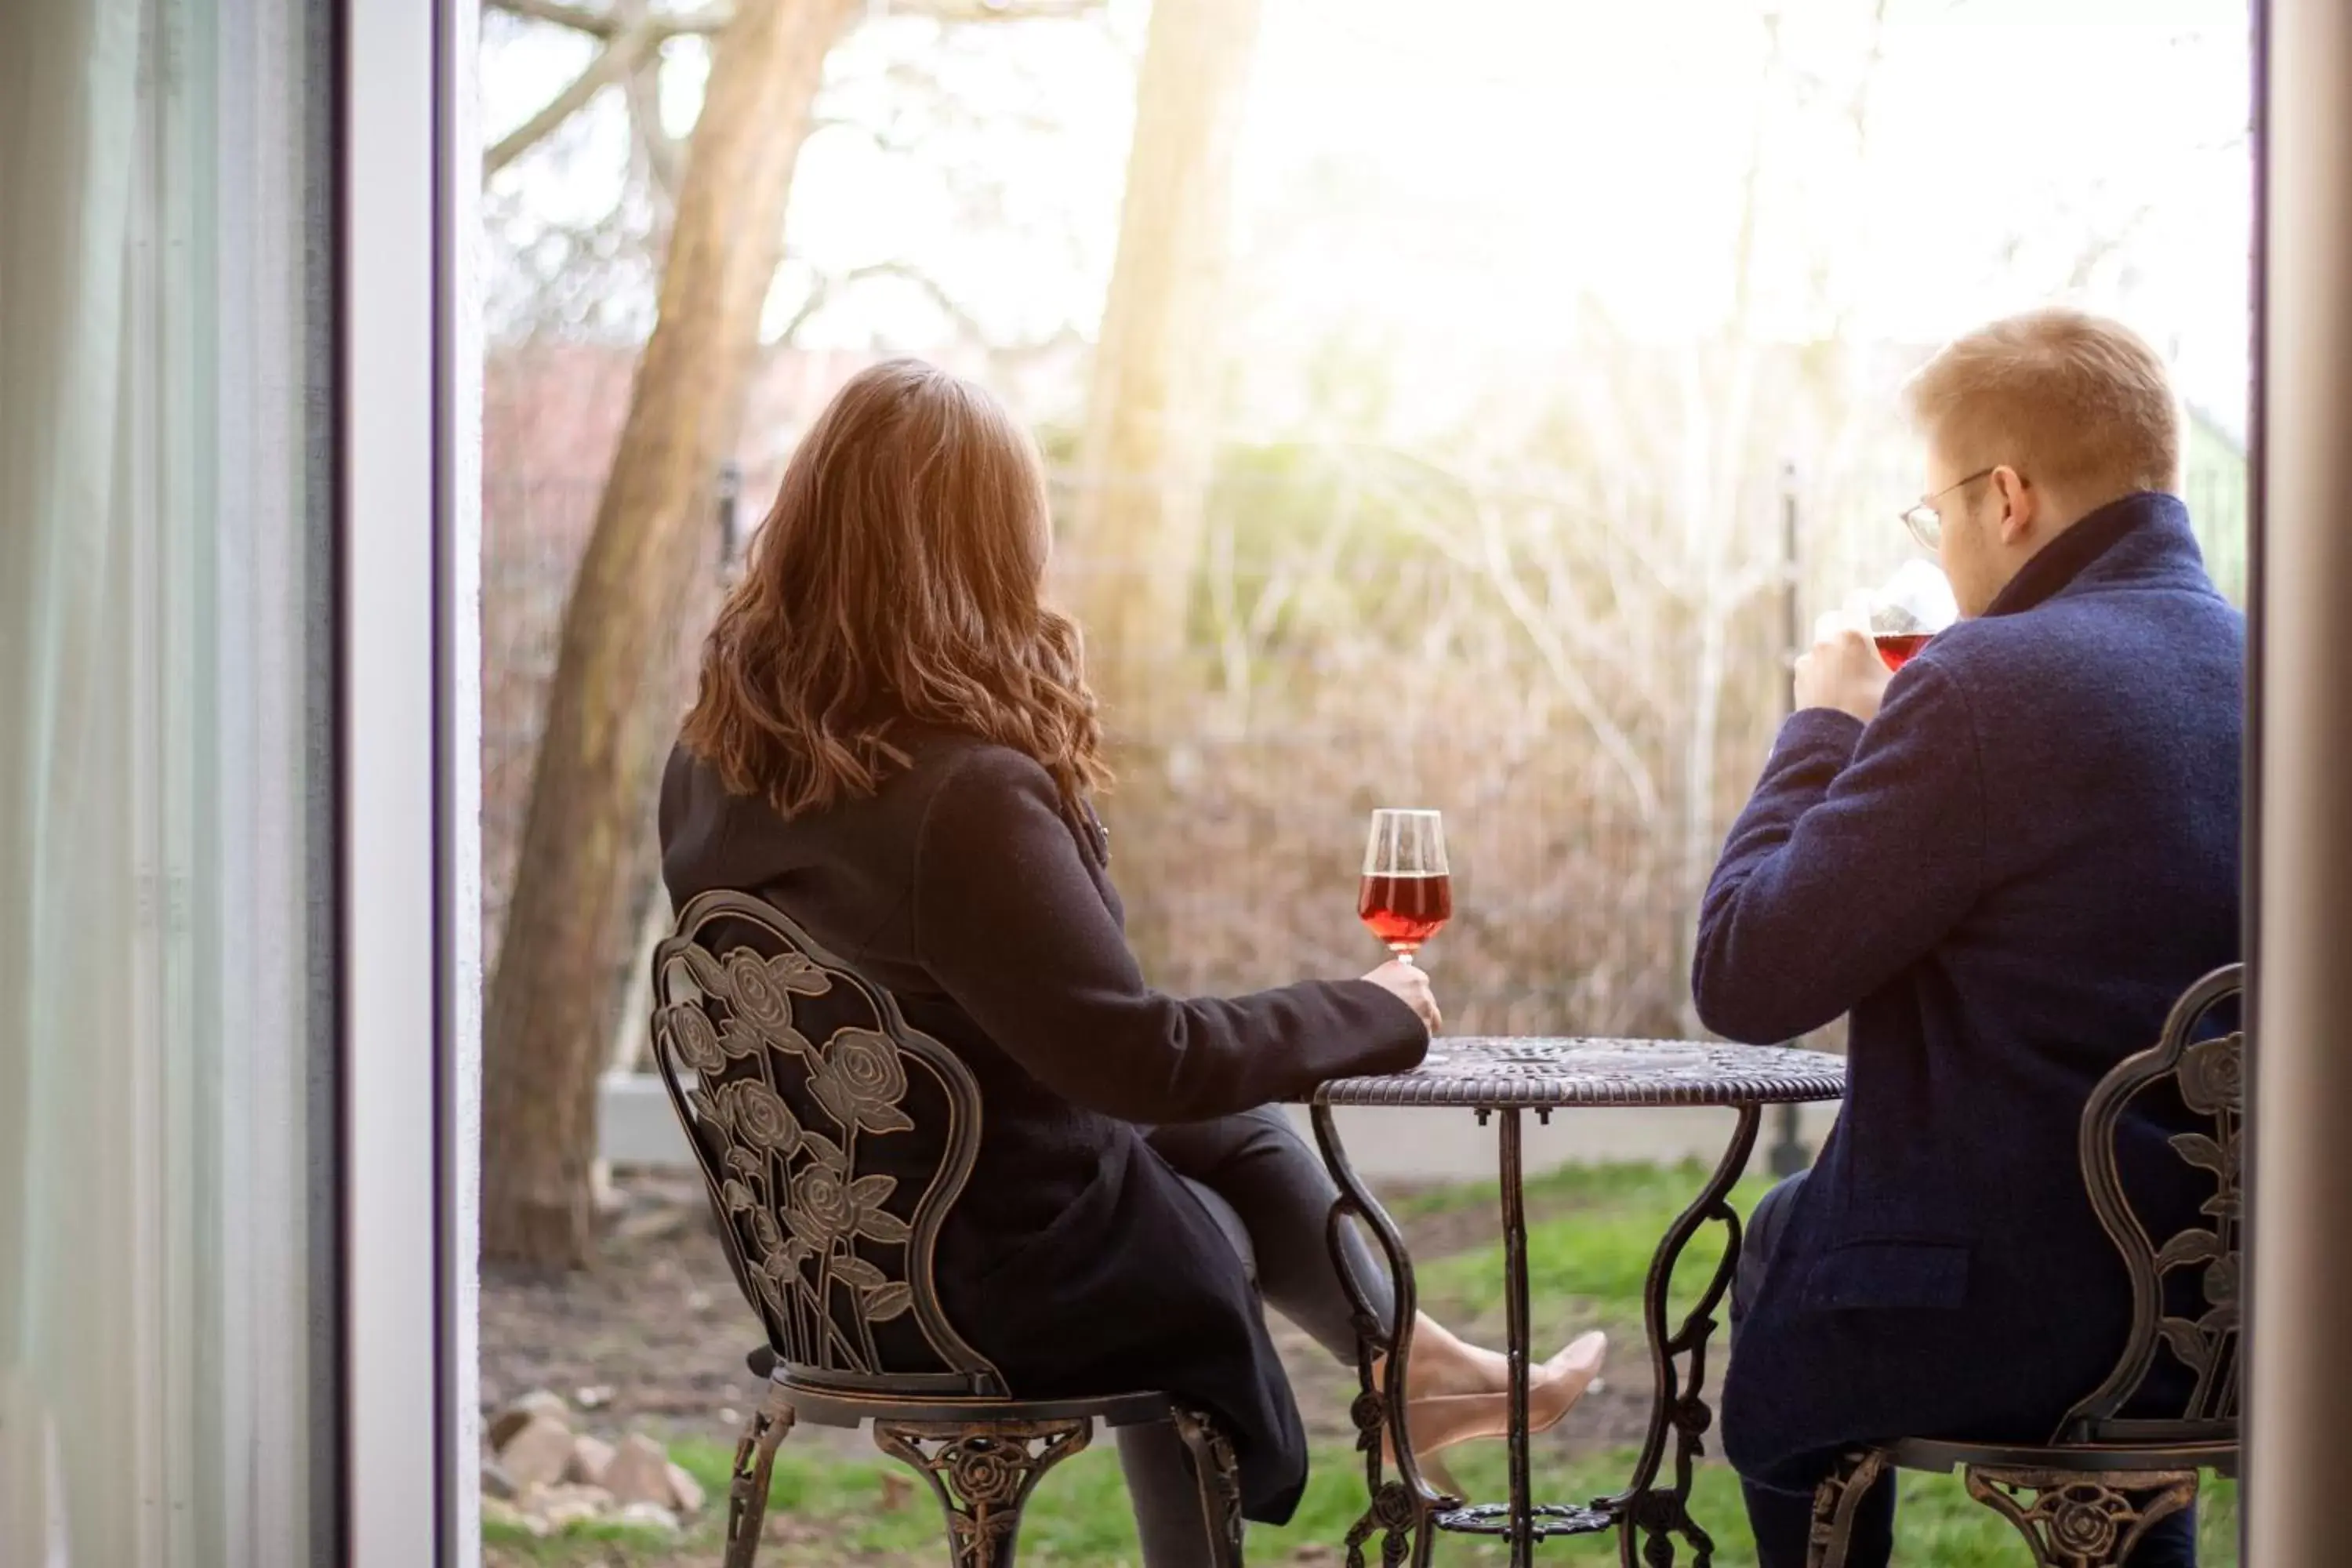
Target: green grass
(583, 1542)
(1588, 1257)
(1625, 1186)
(1080, 1515)
(1590, 1262)
(1937, 1525)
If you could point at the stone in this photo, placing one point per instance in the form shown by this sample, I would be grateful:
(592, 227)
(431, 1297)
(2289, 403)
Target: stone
(496, 1482)
(640, 1472)
(498, 1513)
(647, 1516)
(593, 1398)
(544, 1402)
(686, 1492)
(515, 1416)
(654, 1224)
(591, 1457)
(565, 1506)
(539, 1454)
(602, 1193)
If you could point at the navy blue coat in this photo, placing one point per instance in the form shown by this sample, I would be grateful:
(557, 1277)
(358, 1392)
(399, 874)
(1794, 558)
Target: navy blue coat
(2005, 880)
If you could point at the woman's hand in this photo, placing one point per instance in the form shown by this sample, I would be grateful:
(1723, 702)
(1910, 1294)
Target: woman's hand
(1410, 985)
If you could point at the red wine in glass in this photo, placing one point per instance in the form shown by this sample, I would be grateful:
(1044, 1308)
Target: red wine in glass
(1405, 911)
(1896, 648)
(1914, 604)
(1407, 894)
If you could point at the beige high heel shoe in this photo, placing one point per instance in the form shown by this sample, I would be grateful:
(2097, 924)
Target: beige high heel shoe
(1441, 1421)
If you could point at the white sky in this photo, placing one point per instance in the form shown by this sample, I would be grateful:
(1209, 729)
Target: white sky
(1455, 183)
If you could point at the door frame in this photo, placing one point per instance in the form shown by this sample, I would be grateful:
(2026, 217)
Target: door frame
(408, 545)
(2299, 866)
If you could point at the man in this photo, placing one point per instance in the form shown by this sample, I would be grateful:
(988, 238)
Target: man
(2004, 863)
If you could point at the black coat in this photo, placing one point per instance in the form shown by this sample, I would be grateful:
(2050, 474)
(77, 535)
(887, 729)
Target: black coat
(2008, 877)
(1076, 1259)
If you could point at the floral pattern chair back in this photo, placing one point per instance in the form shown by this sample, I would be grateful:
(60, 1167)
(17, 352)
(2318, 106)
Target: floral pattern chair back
(2186, 1296)
(834, 1139)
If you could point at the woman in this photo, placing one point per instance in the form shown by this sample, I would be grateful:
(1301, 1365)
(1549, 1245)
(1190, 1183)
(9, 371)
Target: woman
(894, 743)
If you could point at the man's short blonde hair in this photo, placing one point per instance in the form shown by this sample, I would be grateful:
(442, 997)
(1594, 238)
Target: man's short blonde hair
(2071, 400)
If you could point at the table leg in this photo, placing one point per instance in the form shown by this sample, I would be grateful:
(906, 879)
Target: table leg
(1649, 1513)
(1401, 1507)
(1516, 1336)
(1406, 1513)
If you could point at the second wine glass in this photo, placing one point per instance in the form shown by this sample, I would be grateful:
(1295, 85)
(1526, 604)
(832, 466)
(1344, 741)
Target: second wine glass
(1915, 605)
(1407, 894)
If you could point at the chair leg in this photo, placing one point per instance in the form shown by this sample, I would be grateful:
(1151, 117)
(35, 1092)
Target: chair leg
(2082, 1520)
(982, 1473)
(755, 1463)
(1219, 1474)
(1835, 1503)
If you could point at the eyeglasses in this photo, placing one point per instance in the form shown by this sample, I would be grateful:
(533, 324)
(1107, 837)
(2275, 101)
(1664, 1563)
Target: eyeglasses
(1926, 523)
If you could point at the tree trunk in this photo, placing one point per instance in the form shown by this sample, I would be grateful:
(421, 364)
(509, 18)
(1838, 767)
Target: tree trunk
(608, 708)
(1149, 441)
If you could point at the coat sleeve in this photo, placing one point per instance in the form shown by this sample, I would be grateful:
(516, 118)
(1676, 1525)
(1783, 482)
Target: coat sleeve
(1008, 922)
(1860, 850)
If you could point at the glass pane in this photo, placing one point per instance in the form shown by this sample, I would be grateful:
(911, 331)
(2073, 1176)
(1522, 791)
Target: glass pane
(162, 850)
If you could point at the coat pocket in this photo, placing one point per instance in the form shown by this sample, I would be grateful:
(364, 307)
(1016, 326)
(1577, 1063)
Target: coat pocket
(1889, 1275)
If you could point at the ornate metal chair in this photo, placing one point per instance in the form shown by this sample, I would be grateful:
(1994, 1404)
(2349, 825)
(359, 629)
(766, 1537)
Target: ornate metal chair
(2085, 1499)
(834, 1139)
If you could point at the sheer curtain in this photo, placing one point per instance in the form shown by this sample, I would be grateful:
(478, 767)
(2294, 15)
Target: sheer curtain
(162, 1384)
(66, 1399)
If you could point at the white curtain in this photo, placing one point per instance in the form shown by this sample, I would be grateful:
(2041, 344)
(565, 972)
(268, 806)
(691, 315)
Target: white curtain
(68, 1224)
(155, 995)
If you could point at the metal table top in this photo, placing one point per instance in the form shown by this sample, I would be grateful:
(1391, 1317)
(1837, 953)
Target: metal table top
(1543, 1073)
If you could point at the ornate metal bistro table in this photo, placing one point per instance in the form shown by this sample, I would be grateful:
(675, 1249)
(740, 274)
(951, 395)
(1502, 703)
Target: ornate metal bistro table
(1501, 1079)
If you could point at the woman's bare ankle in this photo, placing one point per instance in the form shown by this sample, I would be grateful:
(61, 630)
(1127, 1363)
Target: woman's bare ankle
(1441, 1362)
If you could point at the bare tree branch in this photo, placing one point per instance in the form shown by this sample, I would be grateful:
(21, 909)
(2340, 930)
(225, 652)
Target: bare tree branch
(948, 303)
(632, 56)
(705, 19)
(557, 13)
(702, 22)
(642, 87)
(993, 10)
(824, 290)
(634, 34)
(1544, 635)
(665, 156)
(614, 61)
(1490, 557)
(820, 294)
(1225, 607)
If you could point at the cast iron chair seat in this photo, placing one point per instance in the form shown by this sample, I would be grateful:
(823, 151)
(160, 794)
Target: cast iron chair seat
(835, 1140)
(825, 1405)
(2138, 1458)
(2086, 1498)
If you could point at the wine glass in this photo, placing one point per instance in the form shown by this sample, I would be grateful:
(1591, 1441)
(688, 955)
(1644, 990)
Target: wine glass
(1407, 894)
(1912, 606)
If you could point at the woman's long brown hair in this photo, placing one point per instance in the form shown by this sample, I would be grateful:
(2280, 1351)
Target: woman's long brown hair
(897, 580)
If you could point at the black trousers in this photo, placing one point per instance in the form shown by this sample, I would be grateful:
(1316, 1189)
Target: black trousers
(1272, 1196)
(1783, 1521)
